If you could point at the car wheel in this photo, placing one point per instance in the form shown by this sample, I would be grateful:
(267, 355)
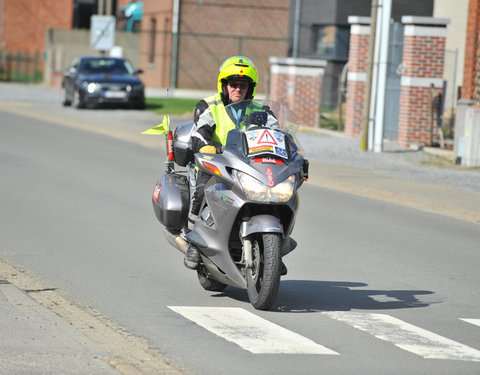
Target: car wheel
(77, 100)
(140, 106)
(65, 101)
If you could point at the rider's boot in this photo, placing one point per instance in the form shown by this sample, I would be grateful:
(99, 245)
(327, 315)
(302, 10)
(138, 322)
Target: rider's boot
(192, 258)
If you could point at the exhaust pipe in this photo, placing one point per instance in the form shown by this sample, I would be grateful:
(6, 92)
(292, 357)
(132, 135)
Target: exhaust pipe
(176, 240)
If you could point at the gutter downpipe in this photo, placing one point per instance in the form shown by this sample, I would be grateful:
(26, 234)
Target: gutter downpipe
(3, 43)
(296, 31)
(174, 66)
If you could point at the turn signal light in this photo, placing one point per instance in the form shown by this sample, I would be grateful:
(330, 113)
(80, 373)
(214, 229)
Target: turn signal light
(211, 167)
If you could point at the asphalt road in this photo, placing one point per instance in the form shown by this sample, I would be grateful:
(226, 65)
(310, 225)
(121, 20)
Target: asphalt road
(373, 287)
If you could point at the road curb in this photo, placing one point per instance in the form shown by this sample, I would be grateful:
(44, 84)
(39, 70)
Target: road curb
(93, 336)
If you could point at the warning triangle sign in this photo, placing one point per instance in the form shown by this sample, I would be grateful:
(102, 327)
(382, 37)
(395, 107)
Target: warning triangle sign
(267, 138)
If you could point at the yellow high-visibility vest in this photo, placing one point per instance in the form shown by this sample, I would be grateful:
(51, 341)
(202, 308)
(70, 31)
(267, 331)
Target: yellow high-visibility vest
(222, 119)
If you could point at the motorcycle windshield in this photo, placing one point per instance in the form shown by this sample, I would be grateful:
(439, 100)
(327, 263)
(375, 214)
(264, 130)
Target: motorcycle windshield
(262, 128)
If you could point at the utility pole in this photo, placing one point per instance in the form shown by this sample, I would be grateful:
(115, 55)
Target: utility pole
(175, 27)
(100, 7)
(382, 39)
(368, 89)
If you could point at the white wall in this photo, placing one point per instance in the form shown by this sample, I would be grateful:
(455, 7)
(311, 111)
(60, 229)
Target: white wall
(456, 11)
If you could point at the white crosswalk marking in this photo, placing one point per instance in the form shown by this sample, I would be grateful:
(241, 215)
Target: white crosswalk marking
(407, 336)
(249, 331)
(472, 321)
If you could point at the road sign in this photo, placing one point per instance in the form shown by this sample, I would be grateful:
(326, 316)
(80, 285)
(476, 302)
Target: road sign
(102, 32)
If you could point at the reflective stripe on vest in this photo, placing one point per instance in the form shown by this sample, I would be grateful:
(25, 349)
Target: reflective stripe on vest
(221, 118)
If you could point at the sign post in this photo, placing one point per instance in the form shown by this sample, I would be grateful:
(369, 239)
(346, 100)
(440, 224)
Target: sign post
(102, 33)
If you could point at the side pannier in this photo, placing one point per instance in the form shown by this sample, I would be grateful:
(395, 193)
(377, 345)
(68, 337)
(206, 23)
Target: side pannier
(171, 199)
(182, 143)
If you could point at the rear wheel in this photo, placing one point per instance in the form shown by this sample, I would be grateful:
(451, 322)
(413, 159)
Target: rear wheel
(208, 283)
(263, 278)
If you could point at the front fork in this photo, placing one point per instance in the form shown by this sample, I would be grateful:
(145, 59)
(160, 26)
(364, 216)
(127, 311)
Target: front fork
(247, 253)
(257, 224)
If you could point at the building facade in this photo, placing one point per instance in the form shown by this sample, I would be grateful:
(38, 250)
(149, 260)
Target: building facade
(23, 23)
(196, 37)
(324, 32)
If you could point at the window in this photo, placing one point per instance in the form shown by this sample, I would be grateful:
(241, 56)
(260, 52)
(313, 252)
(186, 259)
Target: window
(330, 41)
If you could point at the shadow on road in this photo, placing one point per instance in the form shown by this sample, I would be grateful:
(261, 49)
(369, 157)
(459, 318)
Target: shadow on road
(312, 296)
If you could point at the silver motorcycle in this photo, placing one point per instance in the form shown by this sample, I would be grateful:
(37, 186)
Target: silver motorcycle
(250, 203)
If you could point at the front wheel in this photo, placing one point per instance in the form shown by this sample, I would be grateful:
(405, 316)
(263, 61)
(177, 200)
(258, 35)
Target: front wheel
(65, 101)
(263, 278)
(77, 100)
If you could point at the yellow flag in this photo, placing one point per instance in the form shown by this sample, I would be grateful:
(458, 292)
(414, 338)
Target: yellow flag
(159, 129)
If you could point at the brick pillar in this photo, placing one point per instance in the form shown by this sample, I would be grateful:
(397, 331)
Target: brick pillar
(471, 80)
(297, 84)
(357, 74)
(423, 60)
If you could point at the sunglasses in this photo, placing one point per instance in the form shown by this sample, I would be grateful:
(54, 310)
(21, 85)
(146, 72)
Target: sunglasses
(238, 85)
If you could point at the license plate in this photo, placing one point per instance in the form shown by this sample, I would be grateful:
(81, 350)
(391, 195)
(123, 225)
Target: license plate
(115, 94)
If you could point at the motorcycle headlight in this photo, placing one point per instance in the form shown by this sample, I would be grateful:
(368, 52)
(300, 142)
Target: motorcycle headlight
(284, 190)
(257, 191)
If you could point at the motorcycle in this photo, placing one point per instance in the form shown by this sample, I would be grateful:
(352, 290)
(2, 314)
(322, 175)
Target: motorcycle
(250, 204)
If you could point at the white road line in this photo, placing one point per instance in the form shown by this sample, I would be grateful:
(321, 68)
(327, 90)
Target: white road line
(249, 331)
(407, 336)
(472, 321)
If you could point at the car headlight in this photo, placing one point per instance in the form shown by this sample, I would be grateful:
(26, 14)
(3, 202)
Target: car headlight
(257, 191)
(134, 87)
(92, 87)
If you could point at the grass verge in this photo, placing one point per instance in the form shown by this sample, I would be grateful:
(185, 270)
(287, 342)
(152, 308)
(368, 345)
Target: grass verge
(171, 106)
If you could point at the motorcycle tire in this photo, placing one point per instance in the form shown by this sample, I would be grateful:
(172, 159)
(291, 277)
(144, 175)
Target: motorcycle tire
(209, 283)
(263, 279)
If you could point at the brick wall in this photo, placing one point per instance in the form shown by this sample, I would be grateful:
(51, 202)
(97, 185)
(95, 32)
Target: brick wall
(471, 50)
(423, 60)
(211, 31)
(156, 42)
(297, 83)
(357, 75)
(26, 22)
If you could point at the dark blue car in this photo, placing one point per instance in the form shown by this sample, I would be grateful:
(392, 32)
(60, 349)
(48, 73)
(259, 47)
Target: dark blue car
(93, 81)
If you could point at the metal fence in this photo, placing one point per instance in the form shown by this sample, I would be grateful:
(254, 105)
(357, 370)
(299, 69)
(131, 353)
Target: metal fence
(20, 67)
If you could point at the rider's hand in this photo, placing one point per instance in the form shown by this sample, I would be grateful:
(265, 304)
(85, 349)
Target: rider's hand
(208, 150)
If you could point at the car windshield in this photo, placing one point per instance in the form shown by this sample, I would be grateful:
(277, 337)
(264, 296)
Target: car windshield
(106, 66)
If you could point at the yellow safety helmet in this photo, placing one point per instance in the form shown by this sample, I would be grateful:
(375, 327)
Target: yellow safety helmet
(239, 68)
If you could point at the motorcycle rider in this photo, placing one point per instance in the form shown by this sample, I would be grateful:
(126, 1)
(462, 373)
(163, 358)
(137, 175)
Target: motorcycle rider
(237, 81)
